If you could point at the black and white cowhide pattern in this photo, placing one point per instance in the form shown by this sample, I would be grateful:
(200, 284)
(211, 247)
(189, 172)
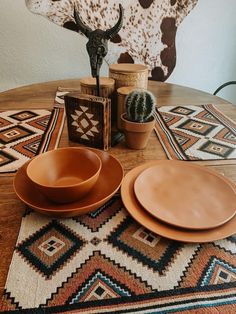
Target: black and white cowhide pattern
(148, 33)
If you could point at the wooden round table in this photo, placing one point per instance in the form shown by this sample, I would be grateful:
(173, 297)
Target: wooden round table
(42, 96)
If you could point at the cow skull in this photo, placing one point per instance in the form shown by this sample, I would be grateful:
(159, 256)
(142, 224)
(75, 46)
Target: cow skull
(97, 46)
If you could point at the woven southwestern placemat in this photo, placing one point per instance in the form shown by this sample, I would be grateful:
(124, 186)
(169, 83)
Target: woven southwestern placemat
(105, 262)
(26, 133)
(196, 133)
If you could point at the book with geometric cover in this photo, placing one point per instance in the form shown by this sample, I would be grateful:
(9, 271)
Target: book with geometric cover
(89, 119)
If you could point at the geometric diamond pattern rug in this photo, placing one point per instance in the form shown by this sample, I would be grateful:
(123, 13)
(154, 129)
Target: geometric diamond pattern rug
(26, 133)
(105, 262)
(196, 133)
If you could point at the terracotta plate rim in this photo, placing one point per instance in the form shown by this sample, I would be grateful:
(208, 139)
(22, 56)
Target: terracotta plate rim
(165, 230)
(201, 168)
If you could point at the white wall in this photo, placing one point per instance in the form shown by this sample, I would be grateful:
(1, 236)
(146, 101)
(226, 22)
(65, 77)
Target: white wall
(206, 48)
(33, 49)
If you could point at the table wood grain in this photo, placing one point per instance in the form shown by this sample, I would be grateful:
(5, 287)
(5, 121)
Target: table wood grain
(42, 96)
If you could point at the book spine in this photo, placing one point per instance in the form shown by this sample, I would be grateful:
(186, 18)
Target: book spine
(109, 123)
(105, 133)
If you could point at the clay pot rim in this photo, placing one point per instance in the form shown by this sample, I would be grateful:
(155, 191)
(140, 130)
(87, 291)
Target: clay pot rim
(138, 127)
(123, 117)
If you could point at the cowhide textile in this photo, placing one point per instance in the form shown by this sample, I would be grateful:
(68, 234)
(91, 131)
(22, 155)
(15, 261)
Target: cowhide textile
(148, 33)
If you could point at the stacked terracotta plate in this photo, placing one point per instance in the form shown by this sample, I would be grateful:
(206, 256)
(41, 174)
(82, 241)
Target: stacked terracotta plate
(106, 186)
(181, 201)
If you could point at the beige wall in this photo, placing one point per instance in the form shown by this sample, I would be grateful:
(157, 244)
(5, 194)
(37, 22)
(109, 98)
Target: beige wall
(33, 49)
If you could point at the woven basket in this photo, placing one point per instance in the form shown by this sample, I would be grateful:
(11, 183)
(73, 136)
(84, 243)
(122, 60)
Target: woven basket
(128, 74)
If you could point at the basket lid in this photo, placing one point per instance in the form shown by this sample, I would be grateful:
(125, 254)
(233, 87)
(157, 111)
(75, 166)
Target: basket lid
(128, 67)
(125, 90)
(91, 81)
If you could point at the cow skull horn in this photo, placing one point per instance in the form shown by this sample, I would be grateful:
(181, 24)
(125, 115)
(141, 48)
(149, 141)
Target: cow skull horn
(80, 25)
(111, 32)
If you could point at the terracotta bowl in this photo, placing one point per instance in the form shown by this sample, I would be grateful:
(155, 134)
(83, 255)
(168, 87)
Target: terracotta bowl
(65, 175)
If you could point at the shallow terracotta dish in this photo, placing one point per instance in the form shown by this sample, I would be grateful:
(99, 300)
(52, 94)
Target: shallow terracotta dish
(66, 174)
(186, 195)
(108, 183)
(166, 230)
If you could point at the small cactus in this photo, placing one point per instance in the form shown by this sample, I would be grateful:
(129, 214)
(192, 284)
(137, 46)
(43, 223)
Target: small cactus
(140, 106)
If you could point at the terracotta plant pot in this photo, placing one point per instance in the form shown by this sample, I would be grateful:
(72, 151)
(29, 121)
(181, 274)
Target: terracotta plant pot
(137, 134)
